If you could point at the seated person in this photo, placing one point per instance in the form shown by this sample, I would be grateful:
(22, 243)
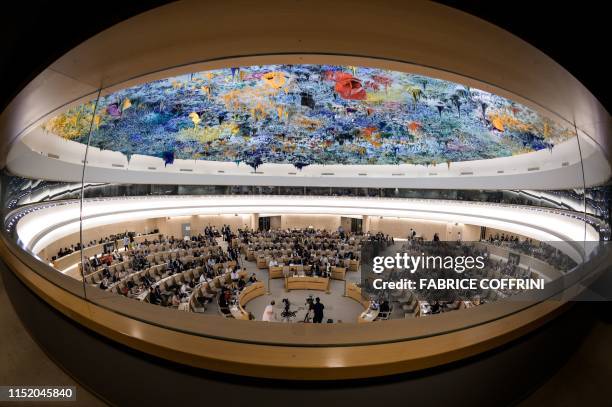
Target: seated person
(202, 278)
(223, 303)
(146, 282)
(251, 316)
(107, 259)
(253, 278)
(185, 290)
(104, 283)
(327, 269)
(384, 306)
(155, 296)
(234, 275)
(176, 300)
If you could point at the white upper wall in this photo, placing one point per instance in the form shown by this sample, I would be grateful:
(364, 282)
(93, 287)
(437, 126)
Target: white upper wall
(39, 229)
(41, 155)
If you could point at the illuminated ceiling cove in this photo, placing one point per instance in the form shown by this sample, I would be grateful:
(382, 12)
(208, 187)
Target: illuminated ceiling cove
(309, 114)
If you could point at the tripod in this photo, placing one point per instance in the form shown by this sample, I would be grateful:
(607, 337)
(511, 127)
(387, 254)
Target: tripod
(287, 315)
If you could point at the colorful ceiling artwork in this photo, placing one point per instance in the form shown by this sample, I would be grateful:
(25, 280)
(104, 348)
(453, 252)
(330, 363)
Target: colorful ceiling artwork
(309, 114)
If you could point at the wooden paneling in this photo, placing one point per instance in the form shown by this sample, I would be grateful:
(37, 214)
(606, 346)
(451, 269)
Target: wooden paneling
(278, 361)
(306, 283)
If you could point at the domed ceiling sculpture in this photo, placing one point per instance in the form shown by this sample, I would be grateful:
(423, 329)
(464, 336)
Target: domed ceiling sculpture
(309, 114)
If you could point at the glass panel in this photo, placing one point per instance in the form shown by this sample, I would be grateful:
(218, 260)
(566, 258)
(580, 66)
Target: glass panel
(41, 180)
(105, 238)
(596, 204)
(321, 155)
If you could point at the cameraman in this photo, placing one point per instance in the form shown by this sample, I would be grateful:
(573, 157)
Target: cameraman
(318, 311)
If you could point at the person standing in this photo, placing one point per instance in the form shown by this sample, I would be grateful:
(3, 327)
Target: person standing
(268, 314)
(318, 311)
(309, 310)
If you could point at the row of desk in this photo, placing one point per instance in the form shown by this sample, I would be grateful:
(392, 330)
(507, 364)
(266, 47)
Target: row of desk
(368, 315)
(307, 283)
(247, 294)
(264, 263)
(73, 258)
(337, 273)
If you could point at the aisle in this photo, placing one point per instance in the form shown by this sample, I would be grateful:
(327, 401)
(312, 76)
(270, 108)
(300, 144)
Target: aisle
(222, 243)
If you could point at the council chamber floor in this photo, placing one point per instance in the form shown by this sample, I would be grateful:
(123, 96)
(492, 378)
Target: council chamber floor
(337, 307)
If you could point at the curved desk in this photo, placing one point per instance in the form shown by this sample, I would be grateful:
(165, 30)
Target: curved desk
(338, 273)
(262, 263)
(369, 315)
(276, 272)
(307, 283)
(354, 292)
(246, 295)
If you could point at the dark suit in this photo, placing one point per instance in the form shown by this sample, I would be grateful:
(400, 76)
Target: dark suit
(318, 313)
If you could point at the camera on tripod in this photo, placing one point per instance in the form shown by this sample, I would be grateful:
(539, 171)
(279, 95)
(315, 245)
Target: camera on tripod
(287, 314)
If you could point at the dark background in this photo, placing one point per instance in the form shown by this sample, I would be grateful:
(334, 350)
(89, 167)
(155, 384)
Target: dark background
(576, 35)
